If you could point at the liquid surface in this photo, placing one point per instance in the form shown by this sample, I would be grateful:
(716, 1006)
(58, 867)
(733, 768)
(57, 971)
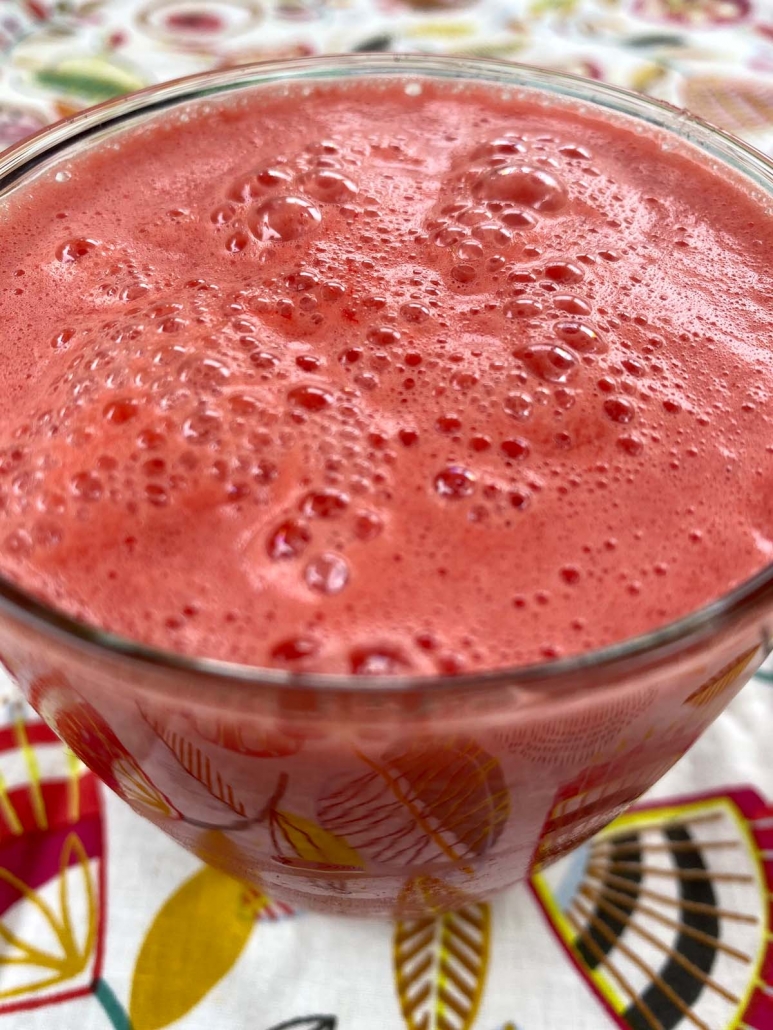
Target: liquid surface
(384, 379)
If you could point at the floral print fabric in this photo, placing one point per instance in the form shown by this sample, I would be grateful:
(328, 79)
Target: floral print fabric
(661, 922)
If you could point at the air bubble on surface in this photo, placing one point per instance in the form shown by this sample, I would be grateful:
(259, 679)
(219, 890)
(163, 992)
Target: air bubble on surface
(326, 573)
(455, 483)
(550, 362)
(324, 504)
(516, 448)
(368, 525)
(283, 218)
(521, 184)
(288, 540)
(257, 184)
(294, 649)
(311, 398)
(86, 486)
(75, 250)
(378, 660)
(580, 336)
(519, 404)
(383, 336)
(329, 186)
(618, 409)
(522, 307)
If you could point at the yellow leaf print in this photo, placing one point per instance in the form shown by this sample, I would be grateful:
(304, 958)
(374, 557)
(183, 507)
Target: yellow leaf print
(559, 7)
(311, 843)
(137, 789)
(440, 966)
(195, 939)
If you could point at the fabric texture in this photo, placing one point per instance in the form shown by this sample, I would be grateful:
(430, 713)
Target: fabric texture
(662, 922)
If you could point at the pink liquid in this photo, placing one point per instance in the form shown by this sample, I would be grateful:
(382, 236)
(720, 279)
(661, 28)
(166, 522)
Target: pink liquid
(373, 381)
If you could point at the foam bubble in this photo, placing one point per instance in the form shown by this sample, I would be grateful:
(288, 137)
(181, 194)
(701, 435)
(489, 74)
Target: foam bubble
(378, 660)
(530, 187)
(328, 186)
(455, 483)
(550, 362)
(288, 540)
(283, 218)
(327, 573)
(75, 250)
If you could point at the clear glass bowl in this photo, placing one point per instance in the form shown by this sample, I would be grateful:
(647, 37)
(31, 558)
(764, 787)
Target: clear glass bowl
(367, 796)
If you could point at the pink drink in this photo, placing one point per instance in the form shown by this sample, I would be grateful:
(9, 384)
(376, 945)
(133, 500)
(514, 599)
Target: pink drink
(387, 379)
(286, 384)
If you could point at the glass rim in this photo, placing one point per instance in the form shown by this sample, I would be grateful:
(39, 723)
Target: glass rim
(610, 662)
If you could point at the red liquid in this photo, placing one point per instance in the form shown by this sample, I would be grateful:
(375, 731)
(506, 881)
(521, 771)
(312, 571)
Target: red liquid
(364, 381)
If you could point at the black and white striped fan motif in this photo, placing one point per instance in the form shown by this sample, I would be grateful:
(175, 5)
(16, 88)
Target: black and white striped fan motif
(666, 914)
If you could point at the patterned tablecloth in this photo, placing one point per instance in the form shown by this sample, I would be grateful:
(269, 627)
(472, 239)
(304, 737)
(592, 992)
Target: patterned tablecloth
(662, 922)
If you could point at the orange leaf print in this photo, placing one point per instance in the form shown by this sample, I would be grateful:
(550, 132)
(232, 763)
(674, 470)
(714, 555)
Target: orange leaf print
(723, 680)
(440, 967)
(420, 801)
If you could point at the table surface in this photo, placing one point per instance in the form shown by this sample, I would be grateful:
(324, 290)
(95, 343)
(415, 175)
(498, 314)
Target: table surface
(141, 935)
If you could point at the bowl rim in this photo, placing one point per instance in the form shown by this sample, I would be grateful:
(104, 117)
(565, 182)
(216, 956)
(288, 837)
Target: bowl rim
(609, 663)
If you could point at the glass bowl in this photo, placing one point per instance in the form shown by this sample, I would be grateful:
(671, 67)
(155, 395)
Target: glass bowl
(370, 796)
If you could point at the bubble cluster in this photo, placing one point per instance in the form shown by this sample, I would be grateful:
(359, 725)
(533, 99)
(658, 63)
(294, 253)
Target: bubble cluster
(284, 200)
(358, 396)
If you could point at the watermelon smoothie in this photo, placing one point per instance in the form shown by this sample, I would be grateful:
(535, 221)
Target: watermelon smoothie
(386, 377)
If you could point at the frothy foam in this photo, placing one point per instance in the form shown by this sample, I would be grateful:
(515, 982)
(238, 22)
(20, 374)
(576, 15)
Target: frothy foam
(382, 382)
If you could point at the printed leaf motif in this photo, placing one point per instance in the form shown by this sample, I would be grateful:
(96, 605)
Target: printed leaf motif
(244, 737)
(194, 940)
(92, 78)
(420, 801)
(217, 849)
(134, 787)
(310, 842)
(440, 968)
(578, 735)
(197, 765)
(423, 896)
(739, 105)
(724, 679)
(692, 14)
(308, 1023)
